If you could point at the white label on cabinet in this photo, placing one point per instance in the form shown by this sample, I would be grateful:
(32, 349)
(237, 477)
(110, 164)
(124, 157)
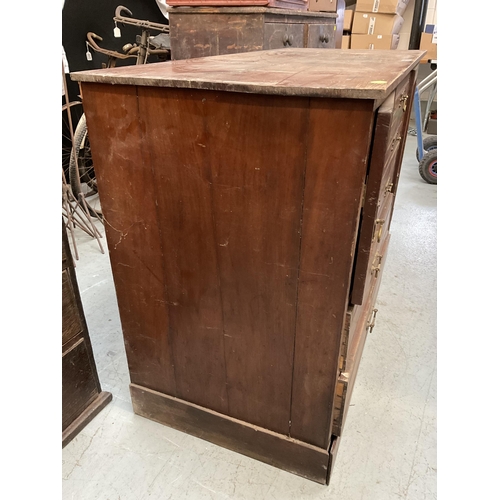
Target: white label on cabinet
(371, 26)
(371, 46)
(376, 5)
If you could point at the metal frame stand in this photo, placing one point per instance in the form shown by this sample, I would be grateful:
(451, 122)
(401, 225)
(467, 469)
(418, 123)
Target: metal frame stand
(427, 83)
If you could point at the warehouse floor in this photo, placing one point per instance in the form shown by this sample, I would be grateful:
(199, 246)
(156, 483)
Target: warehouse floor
(389, 446)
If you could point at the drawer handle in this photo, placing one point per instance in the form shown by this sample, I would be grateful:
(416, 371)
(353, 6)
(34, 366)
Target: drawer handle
(395, 141)
(381, 222)
(403, 100)
(324, 38)
(376, 267)
(371, 324)
(287, 39)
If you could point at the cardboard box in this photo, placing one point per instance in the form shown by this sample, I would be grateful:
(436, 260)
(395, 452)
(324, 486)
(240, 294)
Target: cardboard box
(373, 42)
(382, 6)
(346, 42)
(432, 127)
(426, 44)
(322, 5)
(348, 16)
(367, 23)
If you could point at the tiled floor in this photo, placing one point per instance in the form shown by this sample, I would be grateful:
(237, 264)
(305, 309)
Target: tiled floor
(389, 447)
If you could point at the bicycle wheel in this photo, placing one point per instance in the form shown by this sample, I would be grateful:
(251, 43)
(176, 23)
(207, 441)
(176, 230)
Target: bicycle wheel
(81, 172)
(76, 113)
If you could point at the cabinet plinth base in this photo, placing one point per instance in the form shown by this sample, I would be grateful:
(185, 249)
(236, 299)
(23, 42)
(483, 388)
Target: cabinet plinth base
(261, 444)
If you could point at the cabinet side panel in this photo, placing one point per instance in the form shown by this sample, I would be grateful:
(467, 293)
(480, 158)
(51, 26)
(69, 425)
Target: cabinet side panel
(257, 156)
(127, 193)
(337, 150)
(176, 139)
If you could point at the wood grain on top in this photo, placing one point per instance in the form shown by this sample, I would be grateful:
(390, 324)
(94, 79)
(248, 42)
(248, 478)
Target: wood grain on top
(248, 10)
(361, 74)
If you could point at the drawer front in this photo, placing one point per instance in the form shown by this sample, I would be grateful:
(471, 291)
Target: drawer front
(377, 260)
(402, 102)
(321, 36)
(362, 322)
(279, 35)
(386, 146)
(79, 386)
(71, 321)
(381, 225)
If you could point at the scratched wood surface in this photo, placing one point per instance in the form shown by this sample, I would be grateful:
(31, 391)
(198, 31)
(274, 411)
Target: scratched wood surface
(128, 196)
(232, 220)
(363, 74)
(268, 11)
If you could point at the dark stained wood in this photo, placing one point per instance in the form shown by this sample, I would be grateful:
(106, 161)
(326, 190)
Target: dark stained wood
(332, 199)
(71, 322)
(210, 35)
(378, 161)
(128, 193)
(240, 192)
(359, 338)
(411, 94)
(79, 384)
(92, 409)
(280, 35)
(385, 163)
(317, 33)
(257, 180)
(363, 74)
(176, 139)
(269, 447)
(82, 397)
(209, 31)
(269, 12)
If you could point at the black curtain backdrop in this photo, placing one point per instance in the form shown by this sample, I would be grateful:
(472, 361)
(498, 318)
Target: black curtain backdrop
(81, 16)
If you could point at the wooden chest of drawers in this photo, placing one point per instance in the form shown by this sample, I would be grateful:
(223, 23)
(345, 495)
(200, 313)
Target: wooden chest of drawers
(248, 201)
(212, 31)
(82, 397)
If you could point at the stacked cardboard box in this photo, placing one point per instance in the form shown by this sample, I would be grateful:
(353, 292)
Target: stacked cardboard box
(428, 42)
(377, 23)
(322, 5)
(346, 36)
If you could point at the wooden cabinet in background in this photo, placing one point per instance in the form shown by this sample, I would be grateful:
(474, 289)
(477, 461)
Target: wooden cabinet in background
(82, 397)
(249, 200)
(213, 31)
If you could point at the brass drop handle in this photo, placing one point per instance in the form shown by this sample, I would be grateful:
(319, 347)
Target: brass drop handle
(381, 222)
(395, 141)
(388, 188)
(324, 38)
(371, 324)
(376, 267)
(403, 100)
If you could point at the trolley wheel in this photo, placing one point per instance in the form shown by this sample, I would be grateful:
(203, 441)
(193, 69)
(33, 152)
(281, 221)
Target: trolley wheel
(428, 167)
(429, 143)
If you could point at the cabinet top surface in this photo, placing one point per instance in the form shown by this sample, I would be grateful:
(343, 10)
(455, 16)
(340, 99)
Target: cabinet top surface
(249, 10)
(358, 74)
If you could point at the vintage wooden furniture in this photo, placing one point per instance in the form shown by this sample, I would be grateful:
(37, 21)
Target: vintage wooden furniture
(213, 31)
(248, 201)
(82, 398)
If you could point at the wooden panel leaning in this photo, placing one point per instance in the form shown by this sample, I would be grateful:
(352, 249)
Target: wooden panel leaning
(232, 189)
(82, 397)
